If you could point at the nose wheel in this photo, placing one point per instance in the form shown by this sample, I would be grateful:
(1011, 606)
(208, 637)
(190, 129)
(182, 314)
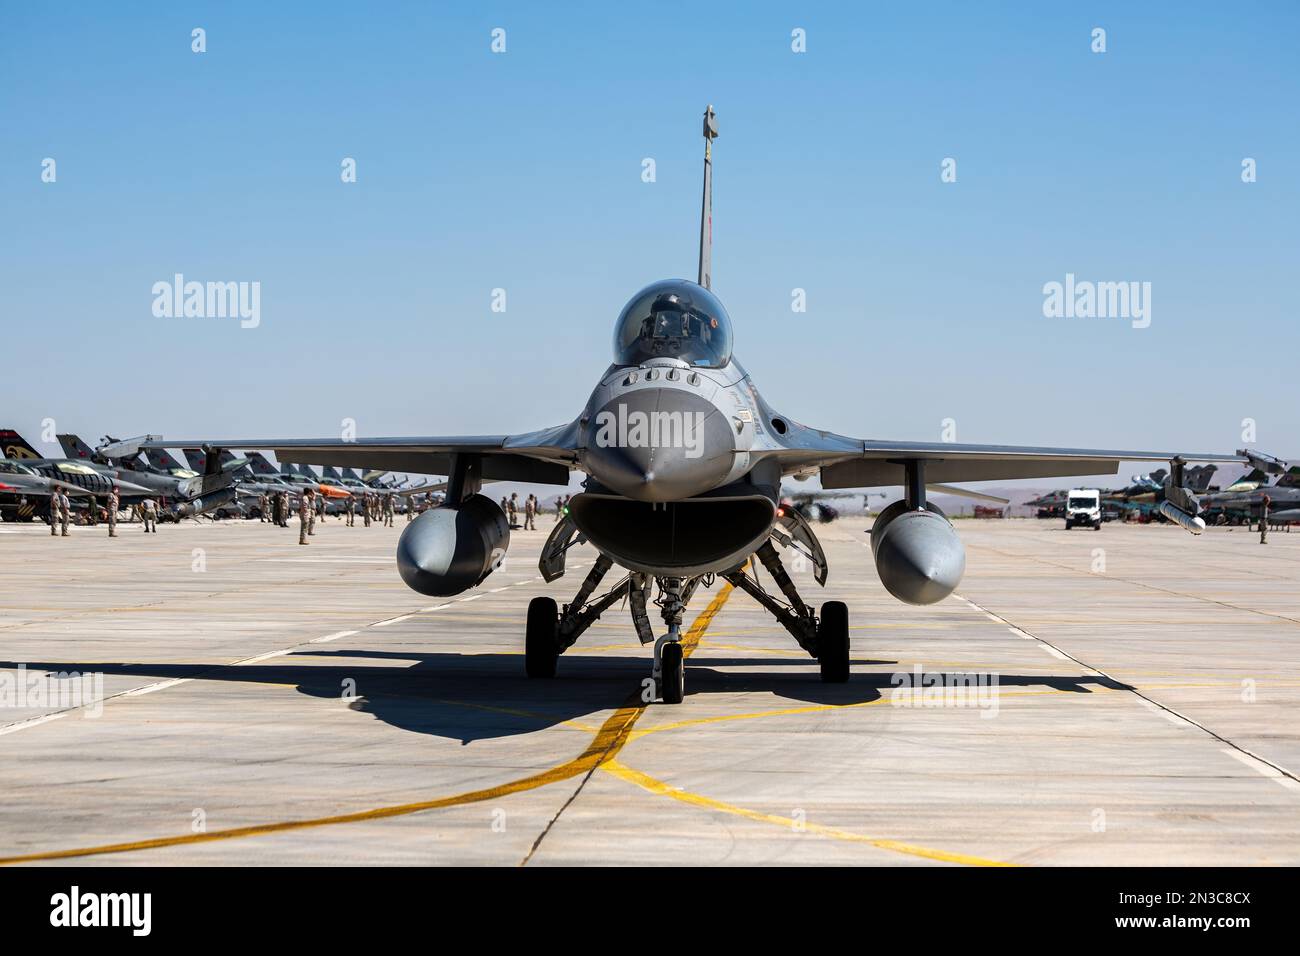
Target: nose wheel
(670, 672)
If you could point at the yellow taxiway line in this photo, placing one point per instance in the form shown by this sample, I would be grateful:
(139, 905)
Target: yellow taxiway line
(600, 753)
(659, 788)
(605, 745)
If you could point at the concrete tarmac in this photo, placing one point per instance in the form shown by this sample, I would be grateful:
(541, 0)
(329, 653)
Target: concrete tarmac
(1127, 696)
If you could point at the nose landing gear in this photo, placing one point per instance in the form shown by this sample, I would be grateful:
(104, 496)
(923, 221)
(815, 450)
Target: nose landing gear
(669, 673)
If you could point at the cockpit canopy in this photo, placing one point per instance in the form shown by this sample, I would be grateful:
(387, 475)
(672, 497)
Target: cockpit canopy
(673, 319)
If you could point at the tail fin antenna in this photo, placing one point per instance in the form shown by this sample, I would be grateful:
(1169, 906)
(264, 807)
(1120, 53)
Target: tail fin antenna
(706, 206)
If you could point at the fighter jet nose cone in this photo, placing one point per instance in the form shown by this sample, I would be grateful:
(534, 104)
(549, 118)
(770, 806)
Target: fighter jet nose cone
(659, 444)
(919, 557)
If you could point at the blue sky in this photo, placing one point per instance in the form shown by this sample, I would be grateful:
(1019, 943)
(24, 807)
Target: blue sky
(522, 171)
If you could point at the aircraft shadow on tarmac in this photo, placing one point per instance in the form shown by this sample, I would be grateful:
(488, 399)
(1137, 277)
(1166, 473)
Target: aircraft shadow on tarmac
(470, 697)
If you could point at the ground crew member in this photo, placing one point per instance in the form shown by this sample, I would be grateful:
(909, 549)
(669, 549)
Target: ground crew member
(513, 504)
(261, 507)
(113, 504)
(284, 509)
(58, 513)
(411, 508)
(320, 508)
(305, 512)
(530, 512)
(1263, 519)
(350, 510)
(388, 510)
(559, 508)
(92, 512)
(366, 508)
(311, 511)
(149, 512)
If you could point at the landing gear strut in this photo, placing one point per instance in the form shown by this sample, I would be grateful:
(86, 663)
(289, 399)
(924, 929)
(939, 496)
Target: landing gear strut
(669, 673)
(551, 630)
(825, 638)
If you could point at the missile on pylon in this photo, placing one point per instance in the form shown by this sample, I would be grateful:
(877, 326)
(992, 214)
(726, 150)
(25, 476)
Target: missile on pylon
(1178, 516)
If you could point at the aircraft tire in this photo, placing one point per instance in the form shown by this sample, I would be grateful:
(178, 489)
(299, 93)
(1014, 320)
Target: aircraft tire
(672, 673)
(541, 637)
(833, 642)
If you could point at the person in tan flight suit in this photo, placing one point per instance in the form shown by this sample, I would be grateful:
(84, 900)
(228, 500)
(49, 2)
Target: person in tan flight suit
(306, 511)
(114, 502)
(58, 513)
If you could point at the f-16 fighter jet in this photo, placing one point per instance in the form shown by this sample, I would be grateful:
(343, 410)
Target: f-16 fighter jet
(684, 462)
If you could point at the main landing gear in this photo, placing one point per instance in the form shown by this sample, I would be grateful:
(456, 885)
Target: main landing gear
(552, 629)
(825, 638)
(541, 638)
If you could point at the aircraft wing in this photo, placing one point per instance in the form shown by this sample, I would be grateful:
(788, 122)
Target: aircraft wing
(419, 490)
(864, 463)
(543, 456)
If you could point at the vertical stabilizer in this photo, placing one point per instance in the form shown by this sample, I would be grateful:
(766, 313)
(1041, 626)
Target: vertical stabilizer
(74, 447)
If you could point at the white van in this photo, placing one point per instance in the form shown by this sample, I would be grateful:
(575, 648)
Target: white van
(1083, 507)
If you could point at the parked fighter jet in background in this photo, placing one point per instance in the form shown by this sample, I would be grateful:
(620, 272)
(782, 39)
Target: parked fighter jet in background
(25, 492)
(684, 462)
(1143, 495)
(32, 479)
(824, 507)
(1242, 502)
(183, 494)
(249, 485)
(92, 478)
(161, 460)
